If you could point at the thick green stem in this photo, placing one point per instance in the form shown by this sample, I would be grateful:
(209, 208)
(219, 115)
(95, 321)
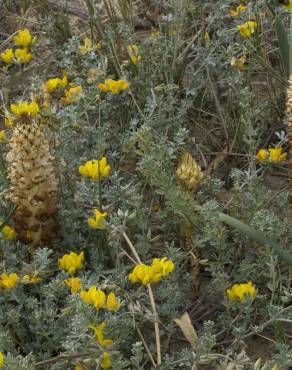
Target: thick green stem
(257, 236)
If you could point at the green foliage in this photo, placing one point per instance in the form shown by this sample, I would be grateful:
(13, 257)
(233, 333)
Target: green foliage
(184, 95)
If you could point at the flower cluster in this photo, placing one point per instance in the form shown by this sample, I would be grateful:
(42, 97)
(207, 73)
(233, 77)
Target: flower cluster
(113, 86)
(88, 46)
(71, 262)
(247, 29)
(31, 279)
(74, 284)
(98, 299)
(95, 169)
(8, 232)
(24, 107)
(189, 173)
(72, 95)
(133, 51)
(53, 84)
(98, 221)
(99, 335)
(106, 361)
(1, 360)
(239, 291)
(20, 55)
(146, 274)
(288, 5)
(8, 281)
(236, 12)
(239, 63)
(276, 154)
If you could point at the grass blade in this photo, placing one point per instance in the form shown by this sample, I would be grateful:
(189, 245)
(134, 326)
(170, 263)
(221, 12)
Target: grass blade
(257, 236)
(283, 43)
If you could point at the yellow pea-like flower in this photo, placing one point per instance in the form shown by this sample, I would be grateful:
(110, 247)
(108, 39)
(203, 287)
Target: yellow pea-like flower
(22, 55)
(8, 56)
(8, 281)
(23, 38)
(71, 262)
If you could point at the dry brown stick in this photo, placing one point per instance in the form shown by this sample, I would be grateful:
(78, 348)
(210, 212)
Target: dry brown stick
(146, 346)
(152, 301)
(64, 358)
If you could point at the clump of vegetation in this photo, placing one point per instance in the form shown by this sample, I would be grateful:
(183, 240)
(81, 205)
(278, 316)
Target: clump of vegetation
(145, 219)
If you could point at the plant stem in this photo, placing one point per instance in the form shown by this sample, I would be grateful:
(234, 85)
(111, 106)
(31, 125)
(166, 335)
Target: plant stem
(156, 324)
(152, 301)
(99, 188)
(290, 44)
(257, 236)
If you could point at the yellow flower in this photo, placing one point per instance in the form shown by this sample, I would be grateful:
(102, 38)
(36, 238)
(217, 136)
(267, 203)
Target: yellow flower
(2, 136)
(262, 155)
(146, 274)
(8, 281)
(112, 303)
(25, 108)
(71, 262)
(74, 284)
(247, 29)
(239, 9)
(288, 6)
(99, 335)
(23, 38)
(22, 55)
(160, 268)
(154, 34)
(52, 84)
(63, 82)
(33, 279)
(7, 56)
(167, 266)
(133, 51)
(141, 274)
(113, 86)
(94, 297)
(98, 221)
(1, 360)
(239, 63)
(106, 361)
(95, 169)
(207, 38)
(277, 154)
(88, 46)
(239, 291)
(8, 121)
(72, 95)
(8, 232)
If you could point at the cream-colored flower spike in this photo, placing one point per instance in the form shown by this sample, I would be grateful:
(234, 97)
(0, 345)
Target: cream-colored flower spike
(189, 173)
(33, 183)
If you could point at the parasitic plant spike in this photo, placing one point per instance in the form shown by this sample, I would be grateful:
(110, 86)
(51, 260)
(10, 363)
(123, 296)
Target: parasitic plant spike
(33, 182)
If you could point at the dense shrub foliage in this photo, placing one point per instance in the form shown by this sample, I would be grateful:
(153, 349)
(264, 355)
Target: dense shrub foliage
(127, 129)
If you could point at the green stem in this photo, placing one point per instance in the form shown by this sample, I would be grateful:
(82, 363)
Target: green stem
(99, 189)
(7, 219)
(257, 236)
(290, 44)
